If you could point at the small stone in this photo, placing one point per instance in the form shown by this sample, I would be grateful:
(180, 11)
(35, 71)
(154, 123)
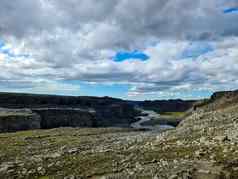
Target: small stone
(70, 177)
(54, 155)
(139, 166)
(235, 168)
(50, 165)
(154, 161)
(212, 157)
(221, 138)
(199, 153)
(203, 171)
(63, 147)
(173, 177)
(41, 170)
(5, 167)
(31, 172)
(202, 140)
(74, 150)
(24, 171)
(225, 150)
(58, 163)
(179, 143)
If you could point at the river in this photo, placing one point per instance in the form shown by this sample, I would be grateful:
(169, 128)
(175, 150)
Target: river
(149, 116)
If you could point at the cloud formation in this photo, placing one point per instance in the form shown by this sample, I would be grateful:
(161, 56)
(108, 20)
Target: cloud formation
(54, 41)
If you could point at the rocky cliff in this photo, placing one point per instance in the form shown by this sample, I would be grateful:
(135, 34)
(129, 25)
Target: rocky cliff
(15, 120)
(61, 111)
(218, 100)
(65, 117)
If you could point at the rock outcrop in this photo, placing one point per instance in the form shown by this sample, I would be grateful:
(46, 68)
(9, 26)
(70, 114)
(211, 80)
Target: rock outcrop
(218, 100)
(15, 120)
(115, 115)
(65, 117)
(64, 111)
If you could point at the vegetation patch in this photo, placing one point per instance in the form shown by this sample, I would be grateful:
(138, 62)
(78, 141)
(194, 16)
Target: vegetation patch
(173, 114)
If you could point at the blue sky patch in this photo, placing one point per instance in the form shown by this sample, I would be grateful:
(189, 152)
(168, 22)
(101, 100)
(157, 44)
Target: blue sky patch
(1, 44)
(136, 55)
(99, 89)
(196, 49)
(9, 52)
(230, 10)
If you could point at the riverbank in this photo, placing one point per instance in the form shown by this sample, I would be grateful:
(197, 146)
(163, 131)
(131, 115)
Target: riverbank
(146, 121)
(162, 121)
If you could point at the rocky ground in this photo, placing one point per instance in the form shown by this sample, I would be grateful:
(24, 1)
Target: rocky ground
(203, 146)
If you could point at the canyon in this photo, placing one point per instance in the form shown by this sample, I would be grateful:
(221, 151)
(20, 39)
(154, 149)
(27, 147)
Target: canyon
(202, 146)
(49, 111)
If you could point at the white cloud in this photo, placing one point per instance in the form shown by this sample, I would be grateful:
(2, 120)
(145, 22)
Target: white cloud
(76, 40)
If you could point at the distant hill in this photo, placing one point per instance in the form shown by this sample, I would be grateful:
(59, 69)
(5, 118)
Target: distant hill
(175, 105)
(21, 100)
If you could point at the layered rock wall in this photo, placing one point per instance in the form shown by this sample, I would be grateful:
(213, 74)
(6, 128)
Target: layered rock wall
(16, 120)
(48, 111)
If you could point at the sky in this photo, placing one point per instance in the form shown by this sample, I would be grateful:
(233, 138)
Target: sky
(136, 50)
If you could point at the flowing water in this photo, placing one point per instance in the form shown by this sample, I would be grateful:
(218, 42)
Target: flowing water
(149, 115)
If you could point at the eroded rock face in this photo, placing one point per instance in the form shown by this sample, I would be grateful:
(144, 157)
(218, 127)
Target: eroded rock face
(111, 115)
(115, 114)
(64, 111)
(16, 120)
(47, 118)
(63, 117)
(218, 100)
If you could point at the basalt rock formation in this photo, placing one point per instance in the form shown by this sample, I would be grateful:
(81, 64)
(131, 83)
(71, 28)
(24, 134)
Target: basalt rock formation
(49, 111)
(64, 117)
(15, 120)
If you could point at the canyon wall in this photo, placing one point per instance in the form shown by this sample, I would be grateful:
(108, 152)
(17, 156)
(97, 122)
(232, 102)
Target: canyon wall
(16, 120)
(49, 111)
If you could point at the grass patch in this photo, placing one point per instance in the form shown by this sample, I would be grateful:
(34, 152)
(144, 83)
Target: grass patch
(166, 118)
(173, 114)
(44, 177)
(162, 121)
